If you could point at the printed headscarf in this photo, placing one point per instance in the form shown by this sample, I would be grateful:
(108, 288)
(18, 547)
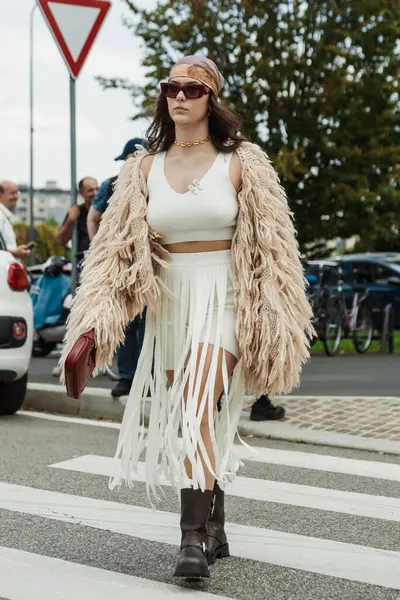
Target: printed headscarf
(200, 68)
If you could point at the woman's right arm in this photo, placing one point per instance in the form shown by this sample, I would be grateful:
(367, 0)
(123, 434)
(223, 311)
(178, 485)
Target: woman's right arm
(117, 280)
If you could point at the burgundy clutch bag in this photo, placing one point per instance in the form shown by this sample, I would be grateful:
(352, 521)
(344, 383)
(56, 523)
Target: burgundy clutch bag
(79, 364)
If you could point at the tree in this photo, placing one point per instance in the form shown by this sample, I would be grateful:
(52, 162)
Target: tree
(317, 86)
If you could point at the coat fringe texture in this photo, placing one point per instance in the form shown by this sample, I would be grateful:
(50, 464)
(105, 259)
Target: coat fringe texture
(120, 276)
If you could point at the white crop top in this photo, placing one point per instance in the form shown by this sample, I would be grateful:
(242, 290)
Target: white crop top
(207, 211)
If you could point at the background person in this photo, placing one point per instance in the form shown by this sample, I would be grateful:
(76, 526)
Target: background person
(78, 214)
(8, 202)
(129, 351)
(106, 189)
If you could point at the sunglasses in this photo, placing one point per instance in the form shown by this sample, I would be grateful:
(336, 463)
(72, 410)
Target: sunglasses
(192, 91)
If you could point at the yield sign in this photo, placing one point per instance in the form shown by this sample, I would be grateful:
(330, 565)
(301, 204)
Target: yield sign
(74, 25)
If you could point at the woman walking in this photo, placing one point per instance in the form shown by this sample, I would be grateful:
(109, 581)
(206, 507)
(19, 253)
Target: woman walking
(198, 230)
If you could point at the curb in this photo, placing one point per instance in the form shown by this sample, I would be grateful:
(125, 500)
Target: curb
(97, 403)
(94, 403)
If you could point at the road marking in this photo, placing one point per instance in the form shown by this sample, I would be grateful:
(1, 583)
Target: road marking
(363, 505)
(326, 557)
(26, 576)
(289, 458)
(74, 420)
(323, 462)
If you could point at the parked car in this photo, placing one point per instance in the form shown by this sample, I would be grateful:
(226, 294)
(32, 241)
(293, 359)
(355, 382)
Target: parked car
(16, 331)
(380, 272)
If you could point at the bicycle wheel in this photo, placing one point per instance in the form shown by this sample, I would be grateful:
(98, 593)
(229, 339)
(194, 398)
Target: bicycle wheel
(362, 333)
(332, 330)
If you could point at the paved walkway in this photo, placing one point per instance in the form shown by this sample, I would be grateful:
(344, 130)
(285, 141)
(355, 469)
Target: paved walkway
(369, 417)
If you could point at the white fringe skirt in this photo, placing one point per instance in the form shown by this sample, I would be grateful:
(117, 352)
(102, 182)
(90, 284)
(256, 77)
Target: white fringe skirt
(201, 312)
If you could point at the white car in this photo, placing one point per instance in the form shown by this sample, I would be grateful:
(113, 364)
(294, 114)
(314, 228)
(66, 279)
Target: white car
(16, 332)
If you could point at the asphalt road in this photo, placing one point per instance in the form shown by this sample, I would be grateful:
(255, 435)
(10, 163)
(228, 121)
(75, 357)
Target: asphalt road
(369, 375)
(322, 533)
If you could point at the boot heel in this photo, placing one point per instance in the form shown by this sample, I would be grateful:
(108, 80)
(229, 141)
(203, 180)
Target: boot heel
(223, 551)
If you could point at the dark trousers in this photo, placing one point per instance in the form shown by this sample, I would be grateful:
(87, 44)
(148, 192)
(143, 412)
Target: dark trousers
(129, 352)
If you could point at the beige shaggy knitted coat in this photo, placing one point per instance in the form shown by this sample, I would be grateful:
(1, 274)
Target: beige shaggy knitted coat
(120, 275)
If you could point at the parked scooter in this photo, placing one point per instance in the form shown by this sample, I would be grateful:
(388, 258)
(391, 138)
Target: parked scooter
(51, 299)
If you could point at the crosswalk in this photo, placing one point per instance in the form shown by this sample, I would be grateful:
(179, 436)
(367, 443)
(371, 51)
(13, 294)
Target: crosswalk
(31, 575)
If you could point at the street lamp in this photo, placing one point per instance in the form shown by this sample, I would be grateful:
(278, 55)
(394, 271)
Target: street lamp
(31, 190)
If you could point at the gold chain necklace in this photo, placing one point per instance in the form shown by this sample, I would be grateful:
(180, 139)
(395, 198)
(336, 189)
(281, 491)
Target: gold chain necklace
(190, 144)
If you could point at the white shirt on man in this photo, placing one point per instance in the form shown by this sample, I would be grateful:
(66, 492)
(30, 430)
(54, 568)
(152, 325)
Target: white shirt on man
(6, 228)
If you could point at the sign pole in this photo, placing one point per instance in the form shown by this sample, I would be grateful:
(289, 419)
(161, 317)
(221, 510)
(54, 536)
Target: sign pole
(31, 133)
(74, 25)
(74, 250)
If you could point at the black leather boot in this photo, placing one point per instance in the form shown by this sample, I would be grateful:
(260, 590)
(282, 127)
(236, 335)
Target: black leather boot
(195, 508)
(216, 542)
(264, 410)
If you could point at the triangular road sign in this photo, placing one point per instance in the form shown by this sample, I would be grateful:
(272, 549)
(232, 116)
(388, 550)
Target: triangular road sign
(74, 25)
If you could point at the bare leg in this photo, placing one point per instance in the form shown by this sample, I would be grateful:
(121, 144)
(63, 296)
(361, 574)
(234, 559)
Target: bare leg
(170, 377)
(231, 361)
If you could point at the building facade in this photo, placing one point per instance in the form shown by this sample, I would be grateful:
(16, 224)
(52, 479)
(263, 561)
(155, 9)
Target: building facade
(48, 202)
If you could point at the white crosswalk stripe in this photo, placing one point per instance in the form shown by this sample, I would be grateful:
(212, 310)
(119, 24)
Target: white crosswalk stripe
(273, 456)
(364, 505)
(337, 559)
(22, 574)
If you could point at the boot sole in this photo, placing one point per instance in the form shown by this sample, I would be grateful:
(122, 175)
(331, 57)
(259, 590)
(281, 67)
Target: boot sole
(191, 573)
(264, 418)
(221, 552)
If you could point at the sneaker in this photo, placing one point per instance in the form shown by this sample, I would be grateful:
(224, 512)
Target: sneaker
(57, 371)
(264, 410)
(122, 388)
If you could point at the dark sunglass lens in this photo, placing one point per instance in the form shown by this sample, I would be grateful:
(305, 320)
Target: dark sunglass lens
(169, 90)
(193, 91)
(173, 90)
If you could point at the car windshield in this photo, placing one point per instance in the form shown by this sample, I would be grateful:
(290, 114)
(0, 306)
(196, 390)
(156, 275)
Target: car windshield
(2, 243)
(395, 265)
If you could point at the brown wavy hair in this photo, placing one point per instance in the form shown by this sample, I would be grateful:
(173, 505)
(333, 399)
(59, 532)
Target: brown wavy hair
(224, 127)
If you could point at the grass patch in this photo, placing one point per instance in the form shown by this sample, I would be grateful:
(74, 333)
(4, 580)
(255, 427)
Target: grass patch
(346, 346)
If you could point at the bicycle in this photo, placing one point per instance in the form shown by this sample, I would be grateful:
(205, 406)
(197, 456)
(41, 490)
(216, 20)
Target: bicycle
(356, 321)
(320, 297)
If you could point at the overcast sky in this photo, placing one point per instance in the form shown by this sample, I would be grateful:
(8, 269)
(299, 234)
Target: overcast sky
(103, 123)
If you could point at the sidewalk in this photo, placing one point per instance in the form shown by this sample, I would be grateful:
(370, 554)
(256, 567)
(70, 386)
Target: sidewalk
(367, 423)
(368, 417)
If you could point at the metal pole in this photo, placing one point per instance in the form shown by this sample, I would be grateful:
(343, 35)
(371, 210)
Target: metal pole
(74, 250)
(31, 132)
(387, 313)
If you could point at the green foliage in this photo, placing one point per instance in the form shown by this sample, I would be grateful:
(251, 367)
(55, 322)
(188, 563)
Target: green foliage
(46, 244)
(317, 86)
(52, 222)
